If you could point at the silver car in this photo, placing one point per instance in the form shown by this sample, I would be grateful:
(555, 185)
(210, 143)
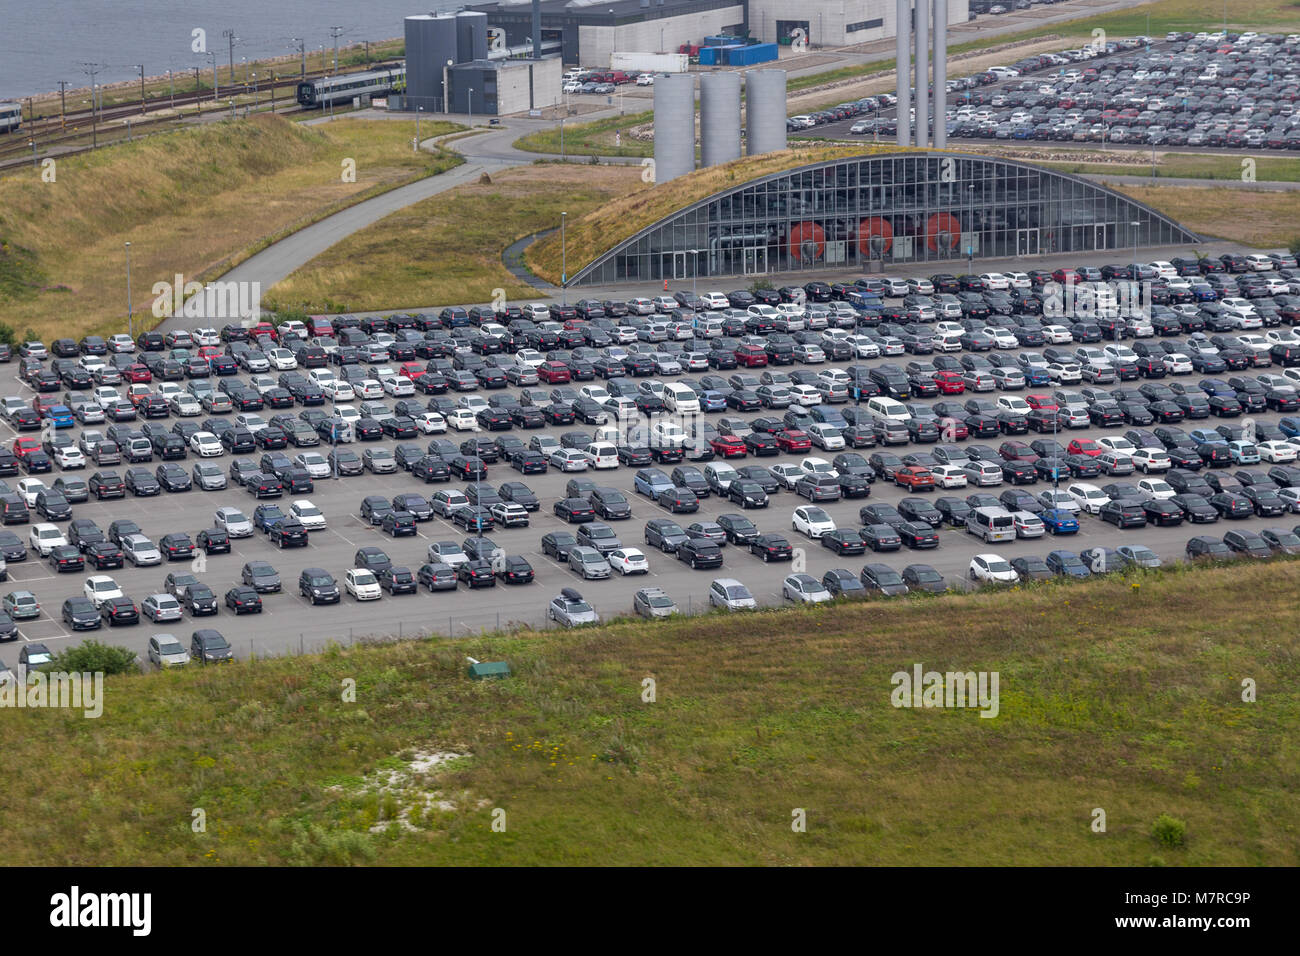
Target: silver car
(140, 551)
(233, 521)
(208, 477)
(570, 609)
(653, 602)
(588, 562)
(731, 594)
(166, 651)
(161, 607)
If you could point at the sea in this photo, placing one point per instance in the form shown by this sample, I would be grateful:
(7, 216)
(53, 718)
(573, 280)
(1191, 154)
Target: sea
(45, 41)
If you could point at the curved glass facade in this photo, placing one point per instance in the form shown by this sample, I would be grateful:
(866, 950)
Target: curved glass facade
(902, 207)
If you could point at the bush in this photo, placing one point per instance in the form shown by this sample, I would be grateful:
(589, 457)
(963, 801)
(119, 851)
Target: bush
(1169, 831)
(1295, 246)
(7, 334)
(93, 657)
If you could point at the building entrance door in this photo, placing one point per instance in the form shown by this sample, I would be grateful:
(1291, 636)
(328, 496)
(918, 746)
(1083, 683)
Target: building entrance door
(1027, 242)
(755, 260)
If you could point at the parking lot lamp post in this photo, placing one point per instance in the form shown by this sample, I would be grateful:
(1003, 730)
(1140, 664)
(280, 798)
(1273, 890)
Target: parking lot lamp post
(564, 262)
(130, 325)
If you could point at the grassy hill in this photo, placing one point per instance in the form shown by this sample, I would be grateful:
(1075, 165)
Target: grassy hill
(193, 202)
(1119, 694)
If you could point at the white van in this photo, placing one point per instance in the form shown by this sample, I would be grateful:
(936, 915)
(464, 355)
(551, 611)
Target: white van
(679, 398)
(992, 524)
(601, 454)
(888, 409)
(707, 326)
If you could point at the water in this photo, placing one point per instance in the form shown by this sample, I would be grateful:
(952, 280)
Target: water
(46, 41)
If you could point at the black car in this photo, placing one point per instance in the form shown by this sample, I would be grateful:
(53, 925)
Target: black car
(771, 547)
(198, 599)
(176, 546)
(398, 579)
(80, 614)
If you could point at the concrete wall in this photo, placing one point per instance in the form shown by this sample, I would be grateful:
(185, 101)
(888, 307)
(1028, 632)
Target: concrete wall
(663, 35)
(513, 95)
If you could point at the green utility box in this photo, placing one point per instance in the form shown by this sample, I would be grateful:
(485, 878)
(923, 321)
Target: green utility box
(488, 669)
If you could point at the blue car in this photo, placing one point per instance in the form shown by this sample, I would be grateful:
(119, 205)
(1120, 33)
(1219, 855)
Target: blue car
(1036, 376)
(713, 401)
(1059, 521)
(1289, 426)
(650, 482)
(60, 415)
(1067, 564)
(1216, 386)
(1206, 436)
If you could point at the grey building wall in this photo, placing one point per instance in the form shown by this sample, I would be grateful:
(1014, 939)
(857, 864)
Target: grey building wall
(471, 36)
(430, 43)
(835, 22)
(662, 35)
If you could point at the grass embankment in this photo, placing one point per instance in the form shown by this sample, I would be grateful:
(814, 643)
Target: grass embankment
(194, 202)
(591, 235)
(1267, 168)
(1263, 218)
(595, 138)
(1123, 695)
(448, 248)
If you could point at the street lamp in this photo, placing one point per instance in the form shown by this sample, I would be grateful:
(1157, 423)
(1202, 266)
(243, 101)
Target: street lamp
(564, 262)
(130, 313)
(1135, 224)
(469, 105)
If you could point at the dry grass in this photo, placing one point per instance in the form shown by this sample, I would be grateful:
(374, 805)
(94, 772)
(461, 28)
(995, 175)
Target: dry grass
(191, 202)
(448, 248)
(1123, 694)
(1253, 217)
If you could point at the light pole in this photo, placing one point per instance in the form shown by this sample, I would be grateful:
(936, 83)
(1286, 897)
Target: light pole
(970, 235)
(561, 139)
(1135, 224)
(215, 98)
(130, 313)
(564, 262)
(418, 111)
(469, 105)
(446, 90)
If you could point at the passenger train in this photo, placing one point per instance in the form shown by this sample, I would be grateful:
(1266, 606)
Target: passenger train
(336, 89)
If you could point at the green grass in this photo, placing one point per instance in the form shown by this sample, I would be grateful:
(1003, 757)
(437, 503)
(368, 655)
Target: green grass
(595, 138)
(1117, 694)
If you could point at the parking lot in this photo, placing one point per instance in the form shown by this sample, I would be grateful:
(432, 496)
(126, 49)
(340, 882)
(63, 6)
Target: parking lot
(1180, 92)
(289, 624)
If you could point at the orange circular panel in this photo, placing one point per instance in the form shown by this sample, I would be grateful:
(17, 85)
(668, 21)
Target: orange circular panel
(807, 241)
(942, 229)
(875, 236)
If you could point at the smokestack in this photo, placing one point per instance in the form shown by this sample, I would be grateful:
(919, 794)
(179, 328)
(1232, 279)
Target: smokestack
(941, 73)
(537, 29)
(922, 73)
(903, 71)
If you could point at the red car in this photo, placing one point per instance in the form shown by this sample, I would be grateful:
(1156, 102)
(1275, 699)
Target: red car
(949, 383)
(792, 439)
(914, 477)
(22, 446)
(953, 429)
(411, 370)
(1084, 446)
(553, 373)
(1042, 401)
(263, 328)
(1017, 451)
(209, 352)
(751, 356)
(138, 374)
(727, 446)
(1065, 276)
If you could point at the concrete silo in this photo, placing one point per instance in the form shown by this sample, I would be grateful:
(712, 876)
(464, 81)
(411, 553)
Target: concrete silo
(674, 126)
(765, 111)
(719, 118)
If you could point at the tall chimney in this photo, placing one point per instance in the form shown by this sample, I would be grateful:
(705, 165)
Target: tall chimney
(941, 73)
(903, 71)
(922, 73)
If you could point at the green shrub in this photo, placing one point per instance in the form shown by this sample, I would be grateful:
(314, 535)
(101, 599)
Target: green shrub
(1169, 831)
(92, 657)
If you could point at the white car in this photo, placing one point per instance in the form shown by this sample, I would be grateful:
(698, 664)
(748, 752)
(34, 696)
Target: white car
(206, 336)
(347, 414)
(282, 360)
(786, 475)
(992, 569)
(398, 387)
(950, 476)
(1060, 500)
(804, 589)
(995, 280)
(263, 383)
(602, 455)
(1156, 488)
(69, 457)
(315, 464)
(818, 466)
(44, 538)
(1087, 496)
(805, 395)
(368, 389)
(1013, 403)
(1260, 262)
(813, 522)
(1028, 524)
(184, 405)
(629, 561)
(252, 421)
(463, 420)
(206, 445)
(362, 584)
(338, 390)
(29, 488)
(826, 437)
(1277, 452)
(446, 552)
(99, 588)
(715, 300)
(1064, 372)
(312, 518)
(1176, 363)
(1116, 443)
(864, 347)
(568, 459)
(1147, 460)
(431, 423)
(1057, 335)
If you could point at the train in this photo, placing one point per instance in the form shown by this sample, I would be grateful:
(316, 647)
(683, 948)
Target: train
(11, 117)
(334, 89)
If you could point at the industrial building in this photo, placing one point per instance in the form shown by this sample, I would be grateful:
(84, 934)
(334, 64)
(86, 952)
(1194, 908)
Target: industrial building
(588, 31)
(720, 136)
(453, 67)
(922, 207)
